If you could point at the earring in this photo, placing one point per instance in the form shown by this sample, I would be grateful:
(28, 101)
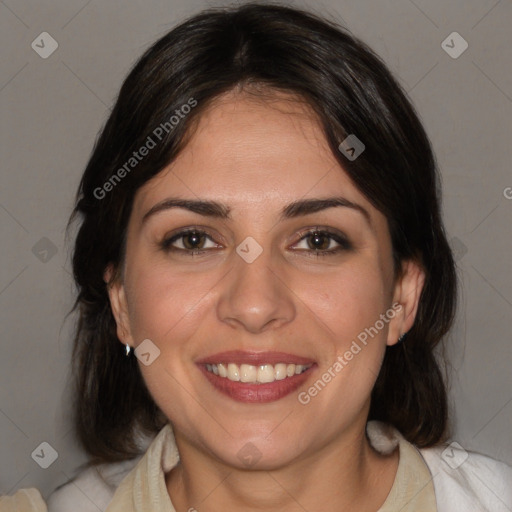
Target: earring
(128, 350)
(401, 338)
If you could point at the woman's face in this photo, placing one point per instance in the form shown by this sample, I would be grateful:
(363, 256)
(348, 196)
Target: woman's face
(271, 282)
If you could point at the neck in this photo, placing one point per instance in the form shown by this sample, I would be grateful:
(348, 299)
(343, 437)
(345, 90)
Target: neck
(344, 474)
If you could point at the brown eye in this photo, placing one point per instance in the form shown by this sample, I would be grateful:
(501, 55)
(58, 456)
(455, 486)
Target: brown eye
(193, 240)
(189, 241)
(318, 241)
(323, 242)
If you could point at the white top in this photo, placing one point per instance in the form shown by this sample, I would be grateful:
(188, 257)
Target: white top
(449, 480)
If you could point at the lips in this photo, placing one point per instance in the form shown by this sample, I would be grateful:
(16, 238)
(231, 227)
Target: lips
(240, 357)
(255, 377)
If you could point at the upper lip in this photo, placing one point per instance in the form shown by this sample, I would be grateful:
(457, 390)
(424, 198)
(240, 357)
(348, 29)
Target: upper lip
(254, 358)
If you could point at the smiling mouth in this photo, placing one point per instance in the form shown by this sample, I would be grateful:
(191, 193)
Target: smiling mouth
(262, 374)
(256, 377)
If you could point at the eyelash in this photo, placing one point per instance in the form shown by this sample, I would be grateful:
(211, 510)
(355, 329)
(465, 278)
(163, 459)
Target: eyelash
(343, 243)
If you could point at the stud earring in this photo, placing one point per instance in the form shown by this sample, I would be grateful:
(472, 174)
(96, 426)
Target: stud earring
(128, 350)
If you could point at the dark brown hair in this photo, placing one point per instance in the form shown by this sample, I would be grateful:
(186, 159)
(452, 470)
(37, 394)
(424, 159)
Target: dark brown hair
(352, 92)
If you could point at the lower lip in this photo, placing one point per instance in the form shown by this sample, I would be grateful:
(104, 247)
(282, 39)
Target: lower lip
(256, 393)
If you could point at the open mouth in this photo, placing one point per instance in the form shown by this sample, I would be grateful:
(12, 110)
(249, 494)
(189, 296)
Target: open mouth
(262, 374)
(256, 377)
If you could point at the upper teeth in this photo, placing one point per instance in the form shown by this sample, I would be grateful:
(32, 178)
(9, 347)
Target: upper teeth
(256, 374)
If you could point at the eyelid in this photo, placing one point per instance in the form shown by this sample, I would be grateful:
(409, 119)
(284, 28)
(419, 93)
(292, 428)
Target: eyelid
(173, 236)
(333, 234)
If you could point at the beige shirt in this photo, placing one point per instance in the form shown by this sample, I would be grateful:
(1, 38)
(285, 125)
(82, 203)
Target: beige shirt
(413, 488)
(144, 488)
(25, 500)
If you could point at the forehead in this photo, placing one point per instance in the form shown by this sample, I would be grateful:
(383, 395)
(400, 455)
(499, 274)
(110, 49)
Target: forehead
(248, 150)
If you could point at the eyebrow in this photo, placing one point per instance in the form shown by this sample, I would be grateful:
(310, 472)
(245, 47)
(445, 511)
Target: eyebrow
(218, 210)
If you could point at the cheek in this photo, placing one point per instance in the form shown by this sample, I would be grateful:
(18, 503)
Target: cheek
(163, 302)
(349, 304)
(168, 305)
(169, 308)
(348, 300)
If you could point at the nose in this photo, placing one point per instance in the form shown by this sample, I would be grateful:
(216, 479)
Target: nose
(256, 296)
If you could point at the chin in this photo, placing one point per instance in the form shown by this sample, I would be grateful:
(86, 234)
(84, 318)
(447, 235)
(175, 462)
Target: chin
(258, 453)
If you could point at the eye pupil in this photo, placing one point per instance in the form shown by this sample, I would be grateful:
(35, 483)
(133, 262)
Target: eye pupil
(193, 239)
(318, 241)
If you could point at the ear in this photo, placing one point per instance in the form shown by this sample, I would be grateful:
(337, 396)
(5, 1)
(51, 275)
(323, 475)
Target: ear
(118, 305)
(406, 298)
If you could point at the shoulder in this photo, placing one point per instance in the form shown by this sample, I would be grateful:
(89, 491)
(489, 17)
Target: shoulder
(92, 489)
(465, 478)
(23, 500)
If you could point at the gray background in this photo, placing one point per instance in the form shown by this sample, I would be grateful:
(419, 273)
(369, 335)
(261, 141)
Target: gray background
(52, 109)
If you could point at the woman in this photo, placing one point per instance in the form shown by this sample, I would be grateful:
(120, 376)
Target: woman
(263, 278)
